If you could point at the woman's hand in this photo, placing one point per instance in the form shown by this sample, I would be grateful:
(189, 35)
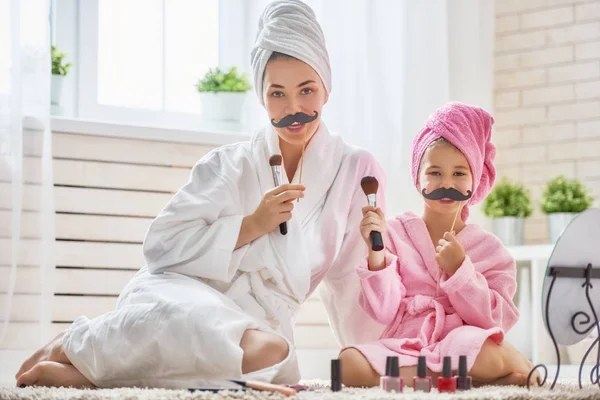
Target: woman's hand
(276, 207)
(450, 254)
(373, 220)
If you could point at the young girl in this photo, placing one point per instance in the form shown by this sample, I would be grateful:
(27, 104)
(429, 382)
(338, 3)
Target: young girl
(440, 291)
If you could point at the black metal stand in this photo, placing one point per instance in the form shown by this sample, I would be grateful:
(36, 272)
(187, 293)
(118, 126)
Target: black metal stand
(579, 319)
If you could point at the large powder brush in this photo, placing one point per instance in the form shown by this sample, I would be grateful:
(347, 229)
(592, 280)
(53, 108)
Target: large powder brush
(370, 185)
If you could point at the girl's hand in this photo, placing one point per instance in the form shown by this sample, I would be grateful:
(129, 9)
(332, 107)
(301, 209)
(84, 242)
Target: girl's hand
(373, 220)
(450, 253)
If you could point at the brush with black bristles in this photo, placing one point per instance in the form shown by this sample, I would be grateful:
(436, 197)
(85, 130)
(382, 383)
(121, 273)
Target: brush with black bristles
(275, 163)
(370, 185)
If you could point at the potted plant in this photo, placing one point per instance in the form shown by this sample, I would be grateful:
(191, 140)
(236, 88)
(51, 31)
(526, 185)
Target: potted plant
(223, 93)
(561, 201)
(508, 205)
(60, 70)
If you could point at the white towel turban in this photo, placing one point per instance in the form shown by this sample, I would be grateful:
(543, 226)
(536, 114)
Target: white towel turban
(289, 27)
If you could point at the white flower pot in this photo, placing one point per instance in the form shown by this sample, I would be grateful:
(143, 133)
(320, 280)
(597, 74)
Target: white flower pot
(510, 230)
(56, 89)
(557, 222)
(222, 106)
(56, 86)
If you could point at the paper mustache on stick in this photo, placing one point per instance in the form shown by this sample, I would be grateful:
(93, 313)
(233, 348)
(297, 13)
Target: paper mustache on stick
(447, 193)
(300, 118)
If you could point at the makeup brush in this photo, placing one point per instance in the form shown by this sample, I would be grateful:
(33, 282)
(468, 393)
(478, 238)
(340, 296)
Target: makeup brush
(287, 391)
(370, 185)
(275, 163)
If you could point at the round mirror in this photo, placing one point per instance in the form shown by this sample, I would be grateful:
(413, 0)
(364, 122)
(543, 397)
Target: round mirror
(577, 247)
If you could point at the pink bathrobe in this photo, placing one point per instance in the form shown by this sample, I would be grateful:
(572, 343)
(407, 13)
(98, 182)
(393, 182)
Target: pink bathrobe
(428, 313)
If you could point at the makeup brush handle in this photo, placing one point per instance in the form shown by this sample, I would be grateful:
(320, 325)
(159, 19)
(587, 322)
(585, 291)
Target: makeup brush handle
(376, 241)
(283, 228)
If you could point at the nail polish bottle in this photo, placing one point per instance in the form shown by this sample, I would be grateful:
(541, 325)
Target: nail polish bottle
(392, 381)
(336, 375)
(446, 382)
(463, 380)
(422, 382)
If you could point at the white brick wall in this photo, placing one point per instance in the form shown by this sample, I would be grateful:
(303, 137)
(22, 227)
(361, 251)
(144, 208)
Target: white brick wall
(547, 100)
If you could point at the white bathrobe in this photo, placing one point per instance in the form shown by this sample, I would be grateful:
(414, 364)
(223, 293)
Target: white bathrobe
(179, 322)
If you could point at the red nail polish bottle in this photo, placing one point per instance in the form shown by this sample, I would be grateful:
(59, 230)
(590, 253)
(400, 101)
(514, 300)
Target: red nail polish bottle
(463, 380)
(422, 382)
(446, 382)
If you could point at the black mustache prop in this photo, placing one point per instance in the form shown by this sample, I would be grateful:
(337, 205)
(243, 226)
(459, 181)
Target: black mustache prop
(446, 193)
(300, 118)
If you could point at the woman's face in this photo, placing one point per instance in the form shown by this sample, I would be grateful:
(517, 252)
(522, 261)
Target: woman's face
(443, 165)
(292, 86)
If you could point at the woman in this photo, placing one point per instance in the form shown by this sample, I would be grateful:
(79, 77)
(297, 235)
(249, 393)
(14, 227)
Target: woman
(221, 287)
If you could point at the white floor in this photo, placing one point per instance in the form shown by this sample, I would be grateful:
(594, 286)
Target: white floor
(314, 364)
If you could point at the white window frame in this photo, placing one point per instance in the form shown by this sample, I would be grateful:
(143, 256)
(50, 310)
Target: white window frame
(232, 51)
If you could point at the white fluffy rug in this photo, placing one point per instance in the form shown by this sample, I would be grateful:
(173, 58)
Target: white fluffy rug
(317, 392)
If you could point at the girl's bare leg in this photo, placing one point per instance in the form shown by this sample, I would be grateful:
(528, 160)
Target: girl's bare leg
(495, 365)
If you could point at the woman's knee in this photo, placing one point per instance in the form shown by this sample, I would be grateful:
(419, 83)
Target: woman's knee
(356, 369)
(262, 350)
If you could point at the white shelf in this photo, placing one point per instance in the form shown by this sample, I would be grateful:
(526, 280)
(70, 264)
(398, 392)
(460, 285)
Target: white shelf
(531, 252)
(215, 135)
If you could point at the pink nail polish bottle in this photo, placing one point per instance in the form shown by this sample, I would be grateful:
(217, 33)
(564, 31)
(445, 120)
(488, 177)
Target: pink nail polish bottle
(392, 381)
(422, 382)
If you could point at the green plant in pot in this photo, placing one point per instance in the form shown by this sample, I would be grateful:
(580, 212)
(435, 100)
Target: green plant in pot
(223, 94)
(60, 69)
(508, 205)
(563, 199)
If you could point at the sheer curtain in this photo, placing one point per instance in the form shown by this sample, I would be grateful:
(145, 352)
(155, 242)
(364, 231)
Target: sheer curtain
(393, 63)
(26, 190)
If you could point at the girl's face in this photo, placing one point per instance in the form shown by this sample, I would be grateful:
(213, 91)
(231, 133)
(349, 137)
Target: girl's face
(292, 86)
(444, 166)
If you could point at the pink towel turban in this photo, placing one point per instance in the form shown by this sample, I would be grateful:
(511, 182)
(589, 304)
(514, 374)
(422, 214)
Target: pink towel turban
(469, 129)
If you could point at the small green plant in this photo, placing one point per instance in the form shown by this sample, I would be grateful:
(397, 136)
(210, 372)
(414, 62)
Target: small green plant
(216, 80)
(564, 195)
(507, 199)
(58, 67)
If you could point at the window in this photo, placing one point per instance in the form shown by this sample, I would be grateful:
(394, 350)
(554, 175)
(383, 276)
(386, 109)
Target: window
(139, 60)
(5, 40)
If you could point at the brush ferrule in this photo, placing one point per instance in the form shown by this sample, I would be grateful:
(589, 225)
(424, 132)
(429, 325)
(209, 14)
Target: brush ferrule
(276, 169)
(372, 200)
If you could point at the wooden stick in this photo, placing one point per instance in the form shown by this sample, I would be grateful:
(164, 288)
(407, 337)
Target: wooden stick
(302, 160)
(456, 215)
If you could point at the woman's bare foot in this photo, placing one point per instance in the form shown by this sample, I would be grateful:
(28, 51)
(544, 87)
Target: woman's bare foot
(53, 351)
(49, 373)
